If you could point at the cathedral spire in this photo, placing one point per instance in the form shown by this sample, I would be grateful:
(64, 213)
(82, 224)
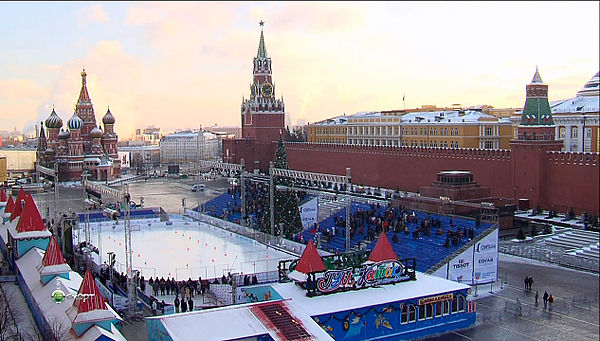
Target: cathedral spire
(262, 50)
(84, 97)
(42, 143)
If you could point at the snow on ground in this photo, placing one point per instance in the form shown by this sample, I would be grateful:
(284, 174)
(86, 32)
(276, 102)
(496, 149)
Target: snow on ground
(185, 250)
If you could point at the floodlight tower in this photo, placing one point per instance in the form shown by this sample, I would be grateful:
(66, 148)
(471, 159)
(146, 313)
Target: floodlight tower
(131, 290)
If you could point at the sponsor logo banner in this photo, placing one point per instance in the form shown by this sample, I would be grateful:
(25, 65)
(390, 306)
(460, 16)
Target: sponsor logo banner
(485, 258)
(308, 213)
(461, 267)
(435, 299)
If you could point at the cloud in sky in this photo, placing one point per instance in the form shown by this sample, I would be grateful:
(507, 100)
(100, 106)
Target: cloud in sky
(186, 64)
(92, 14)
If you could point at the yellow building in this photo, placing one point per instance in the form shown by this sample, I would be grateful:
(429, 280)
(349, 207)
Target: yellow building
(427, 127)
(3, 170)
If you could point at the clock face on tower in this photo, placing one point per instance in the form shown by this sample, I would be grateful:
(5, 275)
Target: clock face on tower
(267, 90)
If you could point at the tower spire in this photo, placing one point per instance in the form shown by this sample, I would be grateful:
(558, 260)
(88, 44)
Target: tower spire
(262, 50)
(84, 97)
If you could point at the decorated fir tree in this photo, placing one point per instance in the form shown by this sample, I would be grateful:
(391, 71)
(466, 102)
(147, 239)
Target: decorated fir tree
(287, 212)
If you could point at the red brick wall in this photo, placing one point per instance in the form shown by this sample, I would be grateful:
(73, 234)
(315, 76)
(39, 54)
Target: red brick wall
(403, 167)
(572, 181)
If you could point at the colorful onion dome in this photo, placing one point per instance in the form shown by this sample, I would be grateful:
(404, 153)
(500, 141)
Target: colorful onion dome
(75, 122)
(96, 133)
(108, 118)
(53, 121)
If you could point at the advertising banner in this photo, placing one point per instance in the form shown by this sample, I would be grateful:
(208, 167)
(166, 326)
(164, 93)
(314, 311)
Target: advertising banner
(461, 267)
(308, 213)
(485, 259)
(125, 159)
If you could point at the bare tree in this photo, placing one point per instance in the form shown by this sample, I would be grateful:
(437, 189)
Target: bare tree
(8, 325)
(58, 328)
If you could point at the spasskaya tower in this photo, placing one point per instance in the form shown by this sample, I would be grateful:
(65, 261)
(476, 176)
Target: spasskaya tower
(263, 115)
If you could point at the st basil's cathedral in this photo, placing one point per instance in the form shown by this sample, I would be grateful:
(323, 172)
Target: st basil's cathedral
(81, 146)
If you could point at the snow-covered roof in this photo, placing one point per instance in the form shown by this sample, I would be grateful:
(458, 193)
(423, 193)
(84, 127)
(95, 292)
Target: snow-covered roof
(42, 295)
(425, 117)
(577, 104)
(424, 285)
(209, 324)
(450, 117)
(92, 159)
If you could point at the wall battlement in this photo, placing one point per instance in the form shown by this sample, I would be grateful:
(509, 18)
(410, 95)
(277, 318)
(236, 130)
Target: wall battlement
(428, 152)
(570, 158)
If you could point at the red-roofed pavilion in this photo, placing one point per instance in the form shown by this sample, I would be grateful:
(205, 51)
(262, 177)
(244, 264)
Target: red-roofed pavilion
(383, 250)
(310, 261)
(30, 220)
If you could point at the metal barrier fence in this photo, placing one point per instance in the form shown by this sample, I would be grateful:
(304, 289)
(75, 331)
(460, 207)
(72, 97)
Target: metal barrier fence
(551, 256)
(294, 248)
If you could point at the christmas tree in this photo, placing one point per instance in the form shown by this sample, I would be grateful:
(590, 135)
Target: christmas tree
(287, 213)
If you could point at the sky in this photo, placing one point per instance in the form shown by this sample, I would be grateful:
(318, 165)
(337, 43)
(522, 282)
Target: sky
(182, 65)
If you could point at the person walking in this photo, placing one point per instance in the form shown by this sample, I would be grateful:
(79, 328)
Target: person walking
(550, 301)
(530, 282)
(536, 298)
(183, 306)
(190, 304)
(545, 298)
(176, 303)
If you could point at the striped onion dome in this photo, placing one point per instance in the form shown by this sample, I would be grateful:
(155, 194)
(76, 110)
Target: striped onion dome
(108, 118)
(53, 121)
(75, 122)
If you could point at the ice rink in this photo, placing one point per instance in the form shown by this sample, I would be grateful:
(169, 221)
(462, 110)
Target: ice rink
(183, 250)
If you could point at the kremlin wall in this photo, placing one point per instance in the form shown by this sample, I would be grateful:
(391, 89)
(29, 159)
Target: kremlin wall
(534, 168)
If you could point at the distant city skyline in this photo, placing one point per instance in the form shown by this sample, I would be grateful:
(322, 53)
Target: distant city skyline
(186, 64)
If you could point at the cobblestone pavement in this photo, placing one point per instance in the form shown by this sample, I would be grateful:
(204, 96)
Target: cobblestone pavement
(574, 315)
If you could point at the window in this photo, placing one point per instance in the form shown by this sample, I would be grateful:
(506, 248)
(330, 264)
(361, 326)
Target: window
(446, 308)
(562, 132)
(404, 315)
(421, 312)
(438, 309)
(429, 311)
(412, 313)
(574, 132)
(489, 144)
(458, 304)
(588, 133)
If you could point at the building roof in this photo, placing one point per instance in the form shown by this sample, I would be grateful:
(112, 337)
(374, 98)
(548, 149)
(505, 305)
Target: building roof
(17, 208)
(587, 100)
(537, 79)
(310, 261)
(10, 205)
(383, 250)
(30, 219)
(425, 285)
(42, 293)
(53, 255)
(422, 117)
(89, 305)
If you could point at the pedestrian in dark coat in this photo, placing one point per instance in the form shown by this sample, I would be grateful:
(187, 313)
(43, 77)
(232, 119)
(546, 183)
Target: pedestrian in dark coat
(176, 303)
(190, 304)
(183, 306)
(545, 298)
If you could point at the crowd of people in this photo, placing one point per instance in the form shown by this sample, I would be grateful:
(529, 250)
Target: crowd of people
(370, 222)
